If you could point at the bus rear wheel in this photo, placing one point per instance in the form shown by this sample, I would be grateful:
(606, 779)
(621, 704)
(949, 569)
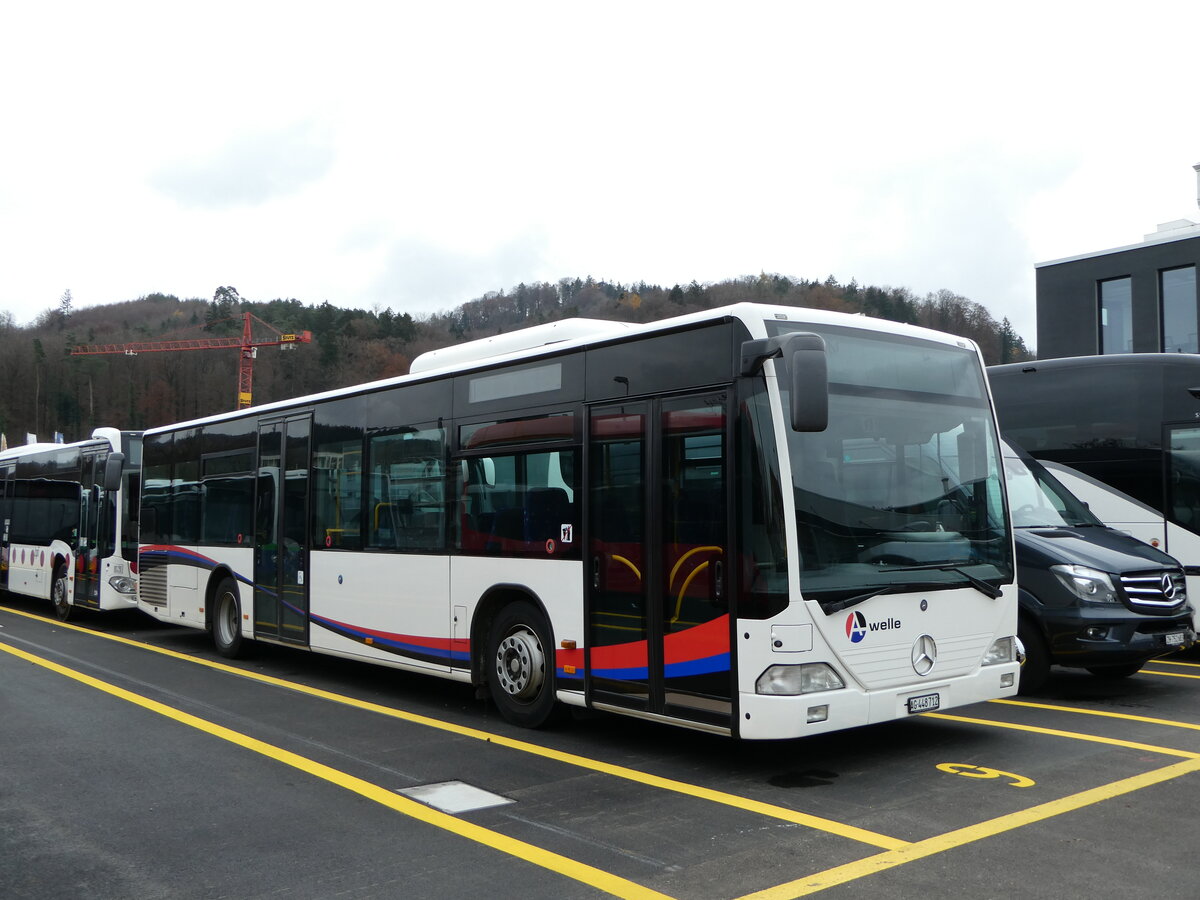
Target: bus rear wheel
(227, 620)
(520, 676)
(60, 595)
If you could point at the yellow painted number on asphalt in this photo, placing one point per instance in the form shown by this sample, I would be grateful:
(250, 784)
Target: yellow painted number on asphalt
(963, 769)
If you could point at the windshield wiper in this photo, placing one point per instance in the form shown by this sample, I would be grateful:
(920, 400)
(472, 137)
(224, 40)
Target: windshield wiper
(847, 601)
(979, 584)
(894, 587)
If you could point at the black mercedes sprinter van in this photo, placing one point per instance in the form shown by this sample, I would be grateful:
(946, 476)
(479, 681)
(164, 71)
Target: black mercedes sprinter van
(1090, 597)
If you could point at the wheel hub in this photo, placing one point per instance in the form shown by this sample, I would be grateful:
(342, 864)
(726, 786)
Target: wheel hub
(520, 666)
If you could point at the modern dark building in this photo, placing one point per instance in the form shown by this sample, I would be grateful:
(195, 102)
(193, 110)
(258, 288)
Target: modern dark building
(1137, 299)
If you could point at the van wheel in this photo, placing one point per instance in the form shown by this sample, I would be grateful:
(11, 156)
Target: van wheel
(60, 594)
(227, 620)
(1037, 658)
(1116, 671)
(520, 665)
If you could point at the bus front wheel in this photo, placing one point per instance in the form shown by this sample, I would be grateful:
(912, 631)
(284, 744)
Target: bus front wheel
(60, 594)
(227, 620)
(520, 665)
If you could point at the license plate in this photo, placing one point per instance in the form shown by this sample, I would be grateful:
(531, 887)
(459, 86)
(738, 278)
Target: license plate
(924, 703)
(1173, 639)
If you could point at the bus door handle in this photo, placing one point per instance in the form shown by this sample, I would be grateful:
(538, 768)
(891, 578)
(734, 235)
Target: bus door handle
(719, 579)
(595, 573)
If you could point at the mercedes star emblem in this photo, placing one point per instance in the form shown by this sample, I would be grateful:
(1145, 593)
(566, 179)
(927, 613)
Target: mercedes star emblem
(924, 655)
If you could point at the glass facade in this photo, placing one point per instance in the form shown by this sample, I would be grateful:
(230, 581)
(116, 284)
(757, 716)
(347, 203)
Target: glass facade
(1116, 316)
(1177, 296)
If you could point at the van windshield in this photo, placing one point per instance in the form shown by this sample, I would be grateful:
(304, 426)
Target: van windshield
(1039, 500)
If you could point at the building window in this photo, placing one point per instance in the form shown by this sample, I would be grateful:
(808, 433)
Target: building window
(1177, 293)
(1116, 316)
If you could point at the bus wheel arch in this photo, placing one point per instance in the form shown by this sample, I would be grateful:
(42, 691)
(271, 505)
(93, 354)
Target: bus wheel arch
(513, 632)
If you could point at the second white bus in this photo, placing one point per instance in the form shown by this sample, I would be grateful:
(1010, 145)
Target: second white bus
(67, 529)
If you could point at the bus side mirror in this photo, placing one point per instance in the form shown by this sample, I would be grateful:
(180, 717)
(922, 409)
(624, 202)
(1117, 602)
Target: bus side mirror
(803, 356)
(112, 471)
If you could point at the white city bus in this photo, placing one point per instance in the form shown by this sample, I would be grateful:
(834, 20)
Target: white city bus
(67, 529)
(758, 521)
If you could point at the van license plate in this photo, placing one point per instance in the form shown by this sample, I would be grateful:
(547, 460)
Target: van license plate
(1172, 640)
(924, 703)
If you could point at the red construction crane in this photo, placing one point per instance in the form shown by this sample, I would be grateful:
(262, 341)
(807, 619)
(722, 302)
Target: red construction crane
(246, 343)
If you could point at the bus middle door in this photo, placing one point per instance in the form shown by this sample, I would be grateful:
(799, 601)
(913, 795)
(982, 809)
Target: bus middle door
(281, 541)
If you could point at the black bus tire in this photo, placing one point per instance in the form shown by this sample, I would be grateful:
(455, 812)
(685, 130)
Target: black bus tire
(1037, 658)
(520, 665)
(227, 620)
(60, 594)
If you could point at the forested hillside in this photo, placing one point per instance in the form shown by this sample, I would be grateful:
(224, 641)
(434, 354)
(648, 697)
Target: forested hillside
(46, 389)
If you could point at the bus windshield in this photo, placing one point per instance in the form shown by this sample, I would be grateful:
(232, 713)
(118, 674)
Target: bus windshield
(903, 489)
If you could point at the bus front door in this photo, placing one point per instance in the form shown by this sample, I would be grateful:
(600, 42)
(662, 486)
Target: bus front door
(658, 607)
(95, 531)
(281, 541)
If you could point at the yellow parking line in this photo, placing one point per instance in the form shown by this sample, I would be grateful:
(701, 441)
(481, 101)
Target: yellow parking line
(782, 813)
(1167, 674)
(1073, 735)
(1174, 662)
(1128, 717)
(562, 865)
(882, 861)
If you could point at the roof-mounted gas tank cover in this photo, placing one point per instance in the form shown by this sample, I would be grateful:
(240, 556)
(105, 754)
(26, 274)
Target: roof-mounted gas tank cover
(803, 356)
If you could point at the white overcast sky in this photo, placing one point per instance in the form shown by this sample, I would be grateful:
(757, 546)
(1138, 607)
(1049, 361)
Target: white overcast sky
(417, 155)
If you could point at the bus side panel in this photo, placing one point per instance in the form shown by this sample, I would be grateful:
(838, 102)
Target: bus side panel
(31, 570)
(557, 583)
(173, 579)
(384, 607)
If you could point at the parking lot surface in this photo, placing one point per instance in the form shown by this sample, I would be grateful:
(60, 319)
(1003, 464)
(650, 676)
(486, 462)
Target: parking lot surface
(138, 763)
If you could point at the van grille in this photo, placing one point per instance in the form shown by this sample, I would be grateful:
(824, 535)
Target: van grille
(1161, 590)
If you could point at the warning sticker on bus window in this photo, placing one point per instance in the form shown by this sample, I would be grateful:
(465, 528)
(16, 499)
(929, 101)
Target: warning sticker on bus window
(568, 534)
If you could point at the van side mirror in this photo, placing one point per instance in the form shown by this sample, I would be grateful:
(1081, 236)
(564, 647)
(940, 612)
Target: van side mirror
(803, 356)
(112, 471)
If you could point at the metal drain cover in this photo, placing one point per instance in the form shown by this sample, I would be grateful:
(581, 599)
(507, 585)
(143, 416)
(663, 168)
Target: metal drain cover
(454, 796)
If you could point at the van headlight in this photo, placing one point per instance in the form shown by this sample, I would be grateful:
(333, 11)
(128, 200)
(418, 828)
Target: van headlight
(1089, 585)
(1003, 650)
(803, 679)
(123, 584)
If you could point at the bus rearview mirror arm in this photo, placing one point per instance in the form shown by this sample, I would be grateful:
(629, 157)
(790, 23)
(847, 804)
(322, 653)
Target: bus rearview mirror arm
(803, 354)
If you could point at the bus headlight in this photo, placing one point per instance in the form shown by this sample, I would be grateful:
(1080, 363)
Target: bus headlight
(1089, 585)
(1001, 651)
(122, 584)
(803, 679)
